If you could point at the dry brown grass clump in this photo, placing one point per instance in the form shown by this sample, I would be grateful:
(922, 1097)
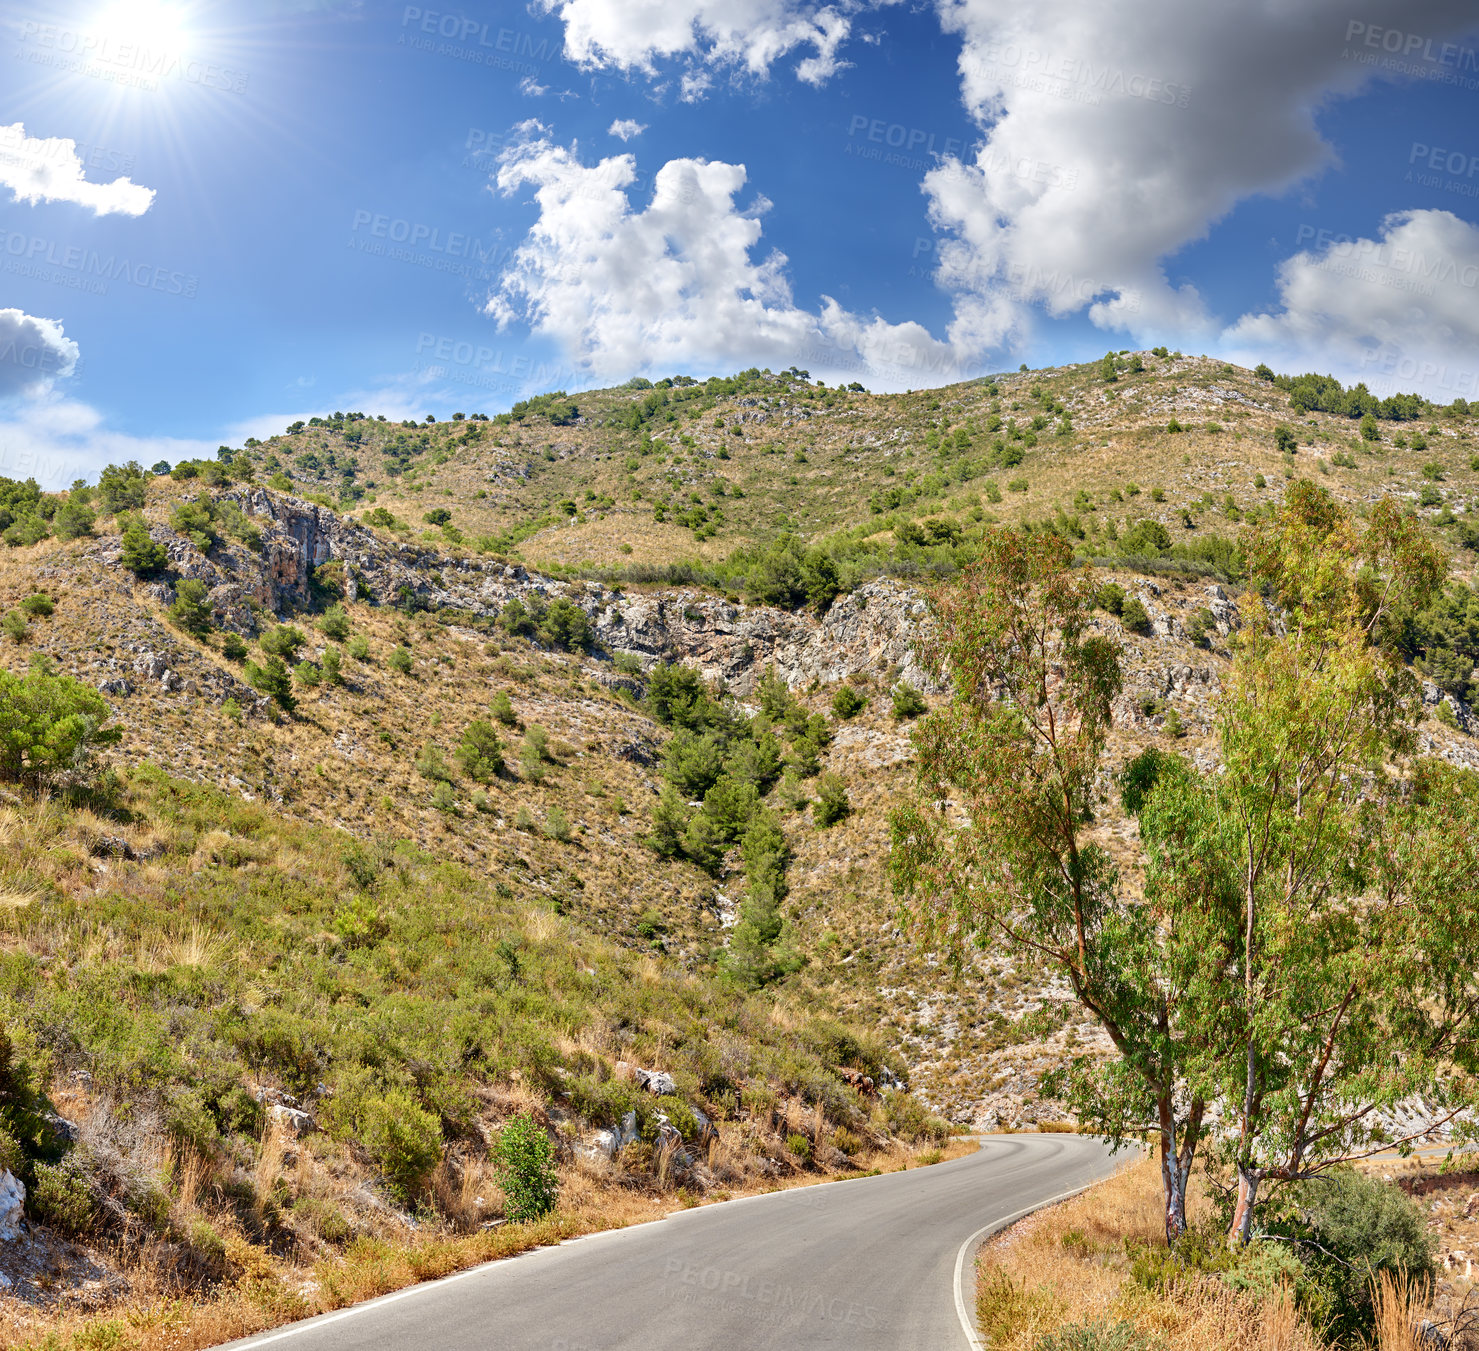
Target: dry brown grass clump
(1068, 1266)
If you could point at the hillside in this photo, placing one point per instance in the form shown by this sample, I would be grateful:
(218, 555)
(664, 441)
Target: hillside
(481, 845)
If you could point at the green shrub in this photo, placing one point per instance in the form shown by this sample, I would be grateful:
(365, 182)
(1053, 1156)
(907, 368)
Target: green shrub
(832, 801)
(431, 764)
(140, 554)
(191, 611)
(38, 605)
(1361, 1228)
(399, 661)
(1099, 1335)
(283, 641)
(50, 725)
(404, 1140)
(848, 703)
(503, 709)
(333, 666)
(62, 1198)
(1111, 597)
(557, 825)
(15, 626)
(908, 702)
(73, 520)
(799, 1145)
(233, 648)
(480, 752)
(523, 1159)
(335, 623)
(358, 647)
(1134, 616)
(273, 679)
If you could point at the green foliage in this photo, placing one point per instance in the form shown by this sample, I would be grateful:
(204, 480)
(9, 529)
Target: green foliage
(1111, 597)
(140, 554)
(191, 609)
(557, 825)
(523, 1159)
(557, 623)
(432, 764)
(38, 605)
(197, 522)
(73, 520)
(333, 666)
(1285, 440)
(15, 626)
(272, 678)
(121, 487)
(847, 702)
(503, 709)
(283, 641)
(1356, 1229)
(1134, 616)
(908, 702)
(832, 803)
(335, 623)
(403, 1139)
(62, 1199)
(480, 752)
(399, 660)
(233, 648)
(50, 727)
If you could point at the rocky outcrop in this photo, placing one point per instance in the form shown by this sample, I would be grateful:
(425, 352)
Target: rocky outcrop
(12, 1206)
(871, 630)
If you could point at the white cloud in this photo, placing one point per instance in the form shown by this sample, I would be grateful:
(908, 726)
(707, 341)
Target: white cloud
(1116, 133)
(626, 128)
(56, 441)
(747, 36)
(33, 353)
(674, 286)
(37, 170)
(1400, 312)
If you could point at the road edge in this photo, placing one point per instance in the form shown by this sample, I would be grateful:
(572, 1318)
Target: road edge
(962, 1308)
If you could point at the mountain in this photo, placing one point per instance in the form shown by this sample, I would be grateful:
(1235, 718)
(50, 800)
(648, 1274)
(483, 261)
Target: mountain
(499, 764)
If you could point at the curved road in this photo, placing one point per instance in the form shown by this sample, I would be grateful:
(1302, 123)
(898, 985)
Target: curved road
(868, 1263)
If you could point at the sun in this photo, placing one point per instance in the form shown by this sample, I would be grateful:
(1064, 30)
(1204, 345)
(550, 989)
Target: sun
(150, 24)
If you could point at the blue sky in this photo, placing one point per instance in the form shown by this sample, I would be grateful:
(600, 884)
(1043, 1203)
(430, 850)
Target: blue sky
(271, 210)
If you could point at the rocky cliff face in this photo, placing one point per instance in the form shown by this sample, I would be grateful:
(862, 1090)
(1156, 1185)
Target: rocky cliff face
(871, 630)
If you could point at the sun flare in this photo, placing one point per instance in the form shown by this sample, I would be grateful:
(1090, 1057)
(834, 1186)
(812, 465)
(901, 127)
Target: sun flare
(146, 23)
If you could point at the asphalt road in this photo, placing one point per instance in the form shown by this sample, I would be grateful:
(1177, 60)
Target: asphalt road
(869, 1263)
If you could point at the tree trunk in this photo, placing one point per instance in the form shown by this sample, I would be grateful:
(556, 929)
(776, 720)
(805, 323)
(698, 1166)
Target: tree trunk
(1242, 1221)
(1173, 1183)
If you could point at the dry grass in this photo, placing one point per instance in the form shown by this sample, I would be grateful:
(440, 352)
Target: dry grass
(1067, 1265)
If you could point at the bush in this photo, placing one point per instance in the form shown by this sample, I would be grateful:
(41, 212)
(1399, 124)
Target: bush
(1366, 1229)
(404, 1139)
(557, 825)
(191, 611)
(358, 647)
(62, 1198)
(73, 520)
(15, 626)
(524, 1162)
(503, 709)
(333, 666)
(1111, 597)
(832, 802)
(399, 661)
(1100, 1335)
(908, 702)
(283, 641)
(480, 752)
(39, 605)
(121, 487)
(50, 725)
(141, 555)
(273, 679)
(1134, 616)
(335, 623)
(848, 703)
